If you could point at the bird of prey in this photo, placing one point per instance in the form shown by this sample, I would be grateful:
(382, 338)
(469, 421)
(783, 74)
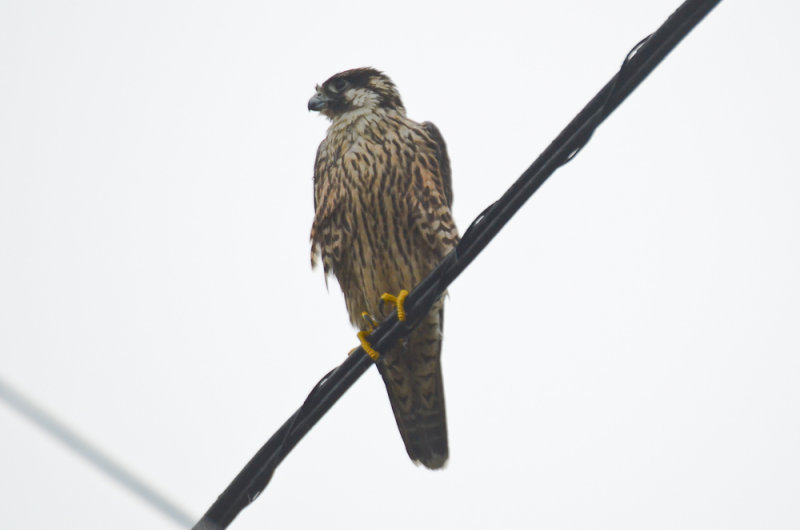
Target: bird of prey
(382, 222)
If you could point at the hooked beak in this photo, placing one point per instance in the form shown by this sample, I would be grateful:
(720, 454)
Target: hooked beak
(318, 101)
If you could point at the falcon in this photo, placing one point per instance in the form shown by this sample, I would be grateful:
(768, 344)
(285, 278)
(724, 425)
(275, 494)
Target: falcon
(382, 222)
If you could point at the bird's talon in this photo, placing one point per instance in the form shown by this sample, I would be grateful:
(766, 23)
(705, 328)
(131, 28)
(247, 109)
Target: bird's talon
(362, 337)
(371, 321)
(398, 302)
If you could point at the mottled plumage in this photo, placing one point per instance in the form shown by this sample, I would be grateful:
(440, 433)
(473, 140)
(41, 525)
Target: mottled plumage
(382, 199)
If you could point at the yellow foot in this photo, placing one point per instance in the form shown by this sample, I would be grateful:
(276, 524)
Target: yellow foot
(362, 337)
(398, 302)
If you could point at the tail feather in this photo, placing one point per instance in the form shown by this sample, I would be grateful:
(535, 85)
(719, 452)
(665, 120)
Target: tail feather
(412, 372)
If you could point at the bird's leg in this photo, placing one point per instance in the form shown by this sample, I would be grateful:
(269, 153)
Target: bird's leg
(398, 302)
(362, 337)
(372, 352)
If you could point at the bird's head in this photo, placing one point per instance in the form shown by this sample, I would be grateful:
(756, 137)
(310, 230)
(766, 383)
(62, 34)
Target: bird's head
(357, 91)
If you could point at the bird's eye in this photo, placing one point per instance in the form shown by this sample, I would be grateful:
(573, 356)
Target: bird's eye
(338, 85)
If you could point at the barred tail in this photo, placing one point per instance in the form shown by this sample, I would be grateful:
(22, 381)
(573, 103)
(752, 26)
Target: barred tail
(412, 372)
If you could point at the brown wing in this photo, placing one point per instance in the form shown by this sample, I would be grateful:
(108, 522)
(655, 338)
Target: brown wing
(412, 370)
(444, 160)
(432, 192)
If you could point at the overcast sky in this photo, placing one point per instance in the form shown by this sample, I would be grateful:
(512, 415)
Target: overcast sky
(624, 355)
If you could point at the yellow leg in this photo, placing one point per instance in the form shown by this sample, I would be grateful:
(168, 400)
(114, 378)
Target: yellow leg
(362, 337)
(401, 315)
(398, 302)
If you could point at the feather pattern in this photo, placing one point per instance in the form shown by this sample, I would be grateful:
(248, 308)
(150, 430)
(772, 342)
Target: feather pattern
(382, 222)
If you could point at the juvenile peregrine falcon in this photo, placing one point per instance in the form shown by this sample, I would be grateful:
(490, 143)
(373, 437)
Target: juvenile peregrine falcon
(382, 222)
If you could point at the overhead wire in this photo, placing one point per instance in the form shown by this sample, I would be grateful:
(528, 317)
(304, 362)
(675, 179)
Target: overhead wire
(116, 471)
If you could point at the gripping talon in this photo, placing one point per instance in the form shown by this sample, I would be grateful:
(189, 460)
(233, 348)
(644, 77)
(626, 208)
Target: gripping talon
(371, 321)
(398, 302)
(362, 337)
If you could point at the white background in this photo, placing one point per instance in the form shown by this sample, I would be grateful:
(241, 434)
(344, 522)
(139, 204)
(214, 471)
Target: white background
(624, 355)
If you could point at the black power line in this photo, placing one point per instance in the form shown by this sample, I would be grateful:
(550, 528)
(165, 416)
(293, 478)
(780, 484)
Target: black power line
(644, 57)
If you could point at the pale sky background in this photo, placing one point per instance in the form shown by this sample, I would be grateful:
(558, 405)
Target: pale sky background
(625, 354)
